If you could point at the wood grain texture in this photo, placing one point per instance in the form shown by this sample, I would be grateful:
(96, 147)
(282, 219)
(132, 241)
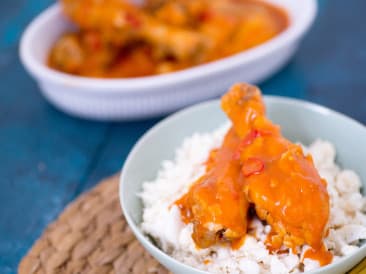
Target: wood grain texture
(47, 157)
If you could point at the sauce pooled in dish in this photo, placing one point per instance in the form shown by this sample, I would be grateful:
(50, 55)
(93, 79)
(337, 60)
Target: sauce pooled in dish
(119, 39)
(256, 166)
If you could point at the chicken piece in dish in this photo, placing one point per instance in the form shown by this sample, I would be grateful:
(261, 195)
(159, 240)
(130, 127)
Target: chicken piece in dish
(280, 180)
(122, 22)
(257, 166)
(216, 204)
(86, 53)
(181, 13)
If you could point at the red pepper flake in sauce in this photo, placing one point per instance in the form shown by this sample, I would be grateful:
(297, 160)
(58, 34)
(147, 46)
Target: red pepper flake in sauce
(205, 15)
(133, 20)
(93, 41)
(252, 166)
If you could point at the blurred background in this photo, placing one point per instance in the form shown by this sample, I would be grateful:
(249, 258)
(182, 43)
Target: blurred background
(48, 158)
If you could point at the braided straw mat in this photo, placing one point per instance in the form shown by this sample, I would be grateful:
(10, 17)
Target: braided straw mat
(90, 236)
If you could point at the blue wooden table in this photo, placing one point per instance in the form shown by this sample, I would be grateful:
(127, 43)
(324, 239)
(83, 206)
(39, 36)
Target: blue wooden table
(48, 158)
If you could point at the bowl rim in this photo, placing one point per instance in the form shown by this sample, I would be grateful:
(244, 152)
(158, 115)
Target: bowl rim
(268, 98)
(41, 71)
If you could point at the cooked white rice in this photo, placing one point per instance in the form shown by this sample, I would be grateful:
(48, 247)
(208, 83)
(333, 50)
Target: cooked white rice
(347, 225)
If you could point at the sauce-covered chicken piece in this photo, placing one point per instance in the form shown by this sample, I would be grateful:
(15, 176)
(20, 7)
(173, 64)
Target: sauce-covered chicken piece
(216, 204)
(122, 22)
(271, 173)
(280, 180)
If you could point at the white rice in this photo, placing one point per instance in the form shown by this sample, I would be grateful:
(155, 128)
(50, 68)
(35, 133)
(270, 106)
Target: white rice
(347, 224)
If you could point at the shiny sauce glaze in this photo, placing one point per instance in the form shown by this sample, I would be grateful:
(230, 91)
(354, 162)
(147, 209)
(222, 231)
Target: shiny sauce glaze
(212, 202)
(268, 172)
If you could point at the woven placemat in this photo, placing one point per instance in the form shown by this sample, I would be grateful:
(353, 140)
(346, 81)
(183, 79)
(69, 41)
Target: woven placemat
(90, 236)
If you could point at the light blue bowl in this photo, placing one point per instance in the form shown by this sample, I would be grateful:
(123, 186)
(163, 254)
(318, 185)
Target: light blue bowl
(299, 120)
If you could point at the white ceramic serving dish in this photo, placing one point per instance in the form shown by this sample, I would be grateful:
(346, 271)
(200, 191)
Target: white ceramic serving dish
(116, 99)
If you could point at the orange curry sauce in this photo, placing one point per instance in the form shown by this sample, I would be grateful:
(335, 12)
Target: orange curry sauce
(168, 37)
(256, 166)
